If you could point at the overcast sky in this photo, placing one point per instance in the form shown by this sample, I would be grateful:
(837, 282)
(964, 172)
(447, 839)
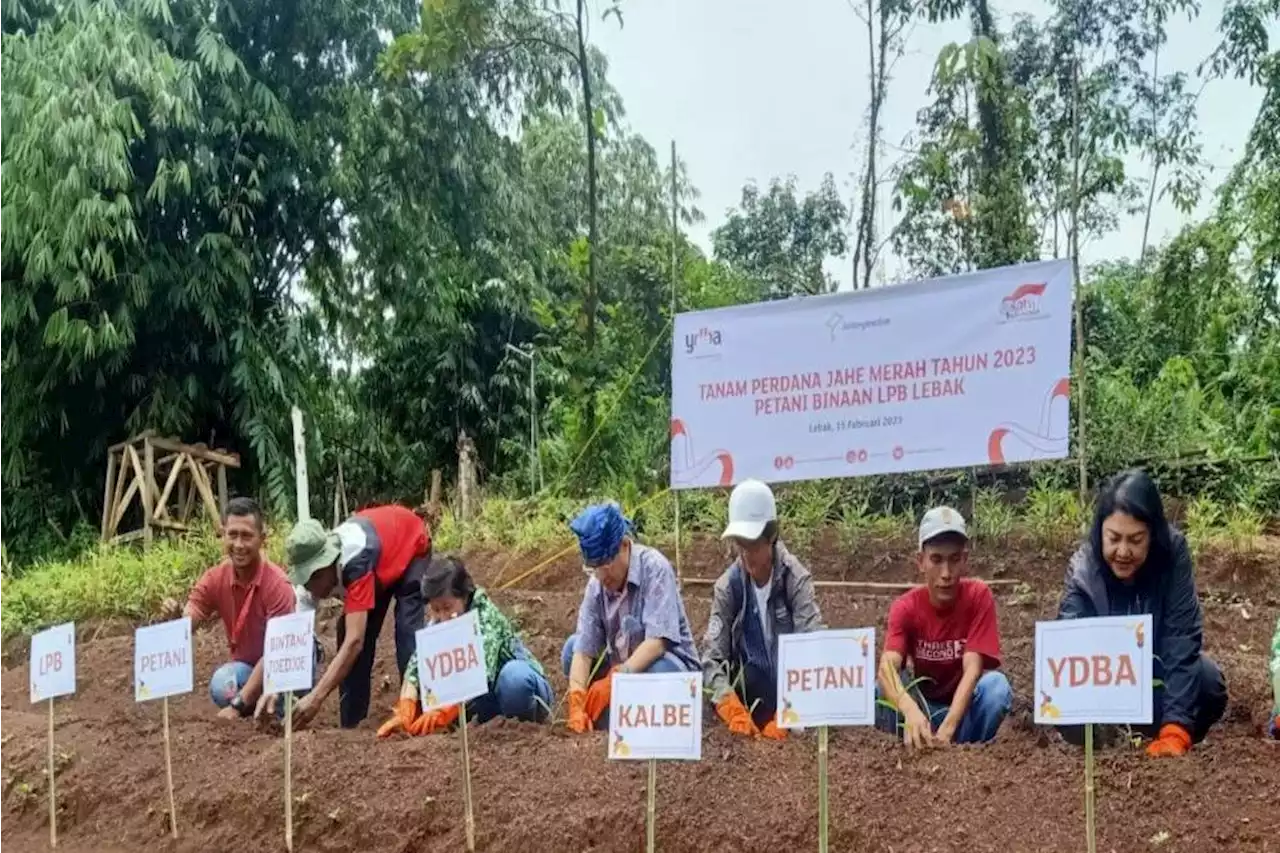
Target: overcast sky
(753, 89)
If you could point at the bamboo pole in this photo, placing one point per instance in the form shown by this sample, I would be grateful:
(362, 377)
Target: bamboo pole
(675, 231)
(168, 771)
(466, 785)
(823, 810)
(1078, 391)
(300, 465)
(887, 586)
(288, 771)
(53, 806)
(1090, 828)
(651, 807)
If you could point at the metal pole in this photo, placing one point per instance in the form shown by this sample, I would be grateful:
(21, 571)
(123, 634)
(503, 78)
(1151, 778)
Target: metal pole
(1078, 391)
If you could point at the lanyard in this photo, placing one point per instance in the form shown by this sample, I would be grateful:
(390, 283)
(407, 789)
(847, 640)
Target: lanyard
(244, 611)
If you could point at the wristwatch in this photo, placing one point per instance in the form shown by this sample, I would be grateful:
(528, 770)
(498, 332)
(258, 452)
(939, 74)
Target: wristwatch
(241, 708)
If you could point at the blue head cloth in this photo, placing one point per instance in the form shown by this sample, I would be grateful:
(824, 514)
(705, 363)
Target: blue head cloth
(600, 529)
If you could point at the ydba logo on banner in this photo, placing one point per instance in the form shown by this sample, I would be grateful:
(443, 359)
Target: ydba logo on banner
(702, 340)
(1023, 303)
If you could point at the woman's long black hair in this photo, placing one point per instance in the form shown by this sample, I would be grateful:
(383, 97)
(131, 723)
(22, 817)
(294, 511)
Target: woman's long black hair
(448, 576)
(1134, 493)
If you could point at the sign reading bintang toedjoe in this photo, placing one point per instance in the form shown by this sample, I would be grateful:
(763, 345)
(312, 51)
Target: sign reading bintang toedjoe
(952, 372)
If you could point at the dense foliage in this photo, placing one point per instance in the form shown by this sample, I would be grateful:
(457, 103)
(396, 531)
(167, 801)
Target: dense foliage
(216, 209)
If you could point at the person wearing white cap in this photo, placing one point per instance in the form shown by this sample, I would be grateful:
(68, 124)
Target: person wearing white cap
(940, 666)
(765, 592)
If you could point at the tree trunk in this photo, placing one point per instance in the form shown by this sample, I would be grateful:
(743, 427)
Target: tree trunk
(1155, 153)
(591, 302)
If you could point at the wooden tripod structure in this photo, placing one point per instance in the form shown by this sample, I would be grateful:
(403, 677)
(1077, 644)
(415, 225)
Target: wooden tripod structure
(135, 469)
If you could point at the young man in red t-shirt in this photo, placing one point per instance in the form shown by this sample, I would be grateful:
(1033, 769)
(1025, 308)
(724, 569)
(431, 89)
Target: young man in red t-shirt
(377, 556)
(942, 647)
(244, 591)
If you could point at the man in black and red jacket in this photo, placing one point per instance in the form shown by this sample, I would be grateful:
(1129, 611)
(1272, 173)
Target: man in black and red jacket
(378, 555)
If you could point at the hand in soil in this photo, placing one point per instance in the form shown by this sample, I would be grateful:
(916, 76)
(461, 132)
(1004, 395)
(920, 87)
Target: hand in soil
(578, 720)
(305, 710)
(916, 733)
(170, 608)
(266, 707)
(228, 713)
(772, 732)
(945, 734)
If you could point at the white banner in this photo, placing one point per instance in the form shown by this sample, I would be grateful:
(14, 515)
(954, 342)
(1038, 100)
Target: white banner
(1094, 671)
(827, 678)
(951, 372)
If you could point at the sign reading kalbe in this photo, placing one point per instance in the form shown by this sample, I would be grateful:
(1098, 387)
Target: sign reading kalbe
(451, 666)
(947, 373)
(289, 654)
(162, 660)
(53, 662)
(827, 678)
(656, 715)
(1094, 671)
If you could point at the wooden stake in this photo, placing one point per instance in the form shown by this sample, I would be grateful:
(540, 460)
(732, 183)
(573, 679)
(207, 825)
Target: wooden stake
(886, 586)
(651, 807)
(1077, 391)
(466, 785)
(1090, 830)
(288, 771)
(822, 789)
(168, 771)
(53, 807)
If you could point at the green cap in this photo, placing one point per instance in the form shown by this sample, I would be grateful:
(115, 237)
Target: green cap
(309, 549)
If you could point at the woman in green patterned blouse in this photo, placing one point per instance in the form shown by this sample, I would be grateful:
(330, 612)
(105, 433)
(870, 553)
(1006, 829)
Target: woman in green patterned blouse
(518, 686)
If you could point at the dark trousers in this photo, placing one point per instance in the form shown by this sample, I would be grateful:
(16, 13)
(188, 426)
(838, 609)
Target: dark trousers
(353, 693)
(756, 686)
(1210, 705)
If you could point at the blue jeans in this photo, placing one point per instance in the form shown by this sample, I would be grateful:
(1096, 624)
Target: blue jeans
(992, 700)
(520, 692)
(231, 677)
(667, 663)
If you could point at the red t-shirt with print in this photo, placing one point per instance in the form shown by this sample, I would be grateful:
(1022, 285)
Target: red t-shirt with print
(933, 642)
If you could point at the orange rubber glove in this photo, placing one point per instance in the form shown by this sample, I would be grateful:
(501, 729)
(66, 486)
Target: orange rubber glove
(1173, 740)
(406, 711)
(736, 716)
(434, 721)
(599, 695)
(772, 732)
(578, 720)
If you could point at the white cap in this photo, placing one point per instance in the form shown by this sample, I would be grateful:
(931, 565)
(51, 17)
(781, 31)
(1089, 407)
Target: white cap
(751, 507)
(940, 520)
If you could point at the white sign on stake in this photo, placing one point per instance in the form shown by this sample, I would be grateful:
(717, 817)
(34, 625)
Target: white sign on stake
(451, 665)
(289, 654)
(1094, 671)
(53, 662)
(826, 678)
(656, 716)
(162, 660)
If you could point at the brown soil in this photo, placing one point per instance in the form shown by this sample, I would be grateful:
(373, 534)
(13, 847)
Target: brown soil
(538, 788)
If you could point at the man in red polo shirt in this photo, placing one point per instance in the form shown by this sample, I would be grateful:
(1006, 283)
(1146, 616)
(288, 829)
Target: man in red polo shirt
(378, 555)
(940, 667)
(244, 590)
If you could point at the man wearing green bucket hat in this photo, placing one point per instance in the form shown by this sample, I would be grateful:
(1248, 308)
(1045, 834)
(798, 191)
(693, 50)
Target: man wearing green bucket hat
(377, 556)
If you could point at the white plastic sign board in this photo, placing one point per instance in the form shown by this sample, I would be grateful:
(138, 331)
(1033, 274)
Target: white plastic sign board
(656, 715)
(875, 381)
(451, 666)
(1094, 671)
(289, 653)
(162, 660)
(53, 662)
(826, 678)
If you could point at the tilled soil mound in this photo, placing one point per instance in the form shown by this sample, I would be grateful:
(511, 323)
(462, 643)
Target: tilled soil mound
(538, 788)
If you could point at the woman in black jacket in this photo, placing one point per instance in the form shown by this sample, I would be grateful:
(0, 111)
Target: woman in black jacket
(1135, 563)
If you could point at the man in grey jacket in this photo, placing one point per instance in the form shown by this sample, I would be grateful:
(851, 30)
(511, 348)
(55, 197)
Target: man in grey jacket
(765, 592)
